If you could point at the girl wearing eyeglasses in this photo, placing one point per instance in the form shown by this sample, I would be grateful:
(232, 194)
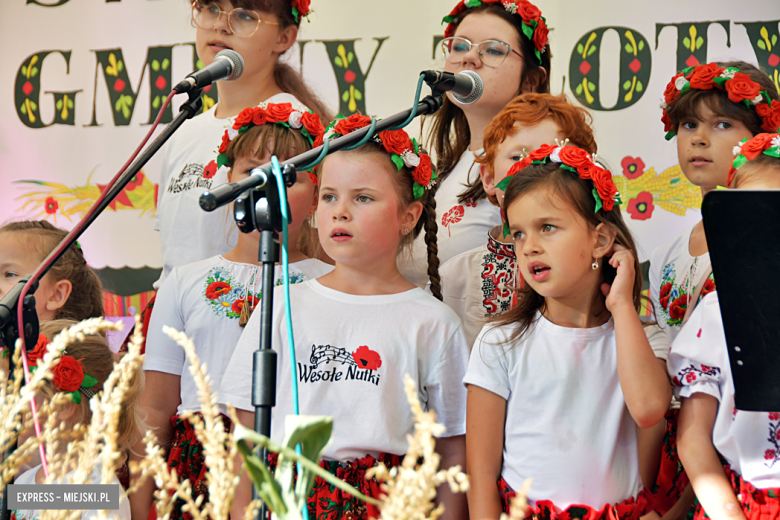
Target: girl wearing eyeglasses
(506, 44)
(260, 31)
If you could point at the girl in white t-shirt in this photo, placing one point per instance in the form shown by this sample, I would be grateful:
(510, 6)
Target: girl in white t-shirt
(506, 44)
(558, 385)
(261, 32)
(748, 487)
(211, 300)
(81, 373)
(362, 327)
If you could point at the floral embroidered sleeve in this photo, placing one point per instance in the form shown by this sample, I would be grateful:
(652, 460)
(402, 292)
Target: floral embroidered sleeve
(699, 352)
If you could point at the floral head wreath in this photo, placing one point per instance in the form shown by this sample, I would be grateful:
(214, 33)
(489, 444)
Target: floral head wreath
(575, 160)
(534, 24)
(300, 9)
(307, 122)
(748, 149)
(739, 86)
(403, 150)
(69, 375)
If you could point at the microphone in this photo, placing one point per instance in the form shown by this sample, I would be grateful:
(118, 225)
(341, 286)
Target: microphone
(466, 86)
(227, 65)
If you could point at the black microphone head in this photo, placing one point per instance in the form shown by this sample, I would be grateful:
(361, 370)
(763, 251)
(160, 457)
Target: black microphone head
(475, 93)
(234, 58)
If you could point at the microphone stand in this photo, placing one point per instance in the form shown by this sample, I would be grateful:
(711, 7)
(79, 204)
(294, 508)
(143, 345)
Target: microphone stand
(258, 207)
(9, 328)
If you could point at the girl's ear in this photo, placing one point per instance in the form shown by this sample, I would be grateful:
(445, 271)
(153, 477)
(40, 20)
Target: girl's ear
(230, 174)
(286, 39)
(488, 180)
(59, 295)
(411, 215)
(314, 201)
(66, 411)
(603, 240)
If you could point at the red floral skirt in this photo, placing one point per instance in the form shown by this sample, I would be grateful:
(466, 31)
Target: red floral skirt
(327, 502)
(146, 317)
(672, 479)
(757, 504)
(629, 509)
(187, 458)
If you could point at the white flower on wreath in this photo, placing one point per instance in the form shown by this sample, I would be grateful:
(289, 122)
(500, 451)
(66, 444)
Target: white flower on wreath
(411, 159)
(758, 99)
(728, 74)
(555, 156)
(295, 119)
(232, 133)
(737, 150)
(775, 143)
(680, 82)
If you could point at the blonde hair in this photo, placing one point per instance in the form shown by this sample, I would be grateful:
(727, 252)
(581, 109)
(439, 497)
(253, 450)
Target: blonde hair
(98, 361)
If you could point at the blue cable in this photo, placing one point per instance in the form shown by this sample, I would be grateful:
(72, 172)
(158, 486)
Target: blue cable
(413, 113)
(286, 283)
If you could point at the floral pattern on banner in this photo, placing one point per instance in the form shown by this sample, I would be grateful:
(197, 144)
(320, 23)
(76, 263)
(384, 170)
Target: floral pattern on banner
(227, 296)
(674, 298)
(772, 455)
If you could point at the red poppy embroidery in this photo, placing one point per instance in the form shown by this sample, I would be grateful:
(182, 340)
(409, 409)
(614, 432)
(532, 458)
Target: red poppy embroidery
(210, 170)
(217, 289)
(774, 416)
(666, 290)
(452, 216)
(367, 358)
(678, 307)
(769, 454)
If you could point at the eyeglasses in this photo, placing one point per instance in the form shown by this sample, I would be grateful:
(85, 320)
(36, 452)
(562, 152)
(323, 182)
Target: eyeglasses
(242, 22)
(491, 52)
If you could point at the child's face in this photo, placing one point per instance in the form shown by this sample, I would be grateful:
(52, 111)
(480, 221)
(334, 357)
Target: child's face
(17, 260)
(301, 196)
(528, 138)
(359, 216)
(705, 144)
(554, 244)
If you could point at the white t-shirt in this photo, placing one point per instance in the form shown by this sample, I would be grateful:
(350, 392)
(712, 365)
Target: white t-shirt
(28, 477)
(462, 226)
(188, 233)
(699, 363)
(674, 276)
(204, 300)
(352, 354)
(567, 424)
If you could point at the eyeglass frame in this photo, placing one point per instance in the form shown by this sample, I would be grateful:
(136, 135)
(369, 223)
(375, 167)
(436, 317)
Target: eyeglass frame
(479, 52)
(260, 21)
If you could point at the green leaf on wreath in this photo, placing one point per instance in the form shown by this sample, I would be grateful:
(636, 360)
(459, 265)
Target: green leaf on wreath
(418, 191)
(599, 205)
(75, 397)
(89, 381)
(397, 160)
(528, 31)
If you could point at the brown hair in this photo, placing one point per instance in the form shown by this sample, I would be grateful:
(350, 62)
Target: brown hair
(450, 134)
(574, 122)
(691, 103)
(86, 298)
(285, 143)
(578, 193)
(404, 183)
(762, 164)
(98, 361)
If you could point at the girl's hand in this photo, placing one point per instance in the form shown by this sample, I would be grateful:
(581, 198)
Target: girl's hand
(621, 292)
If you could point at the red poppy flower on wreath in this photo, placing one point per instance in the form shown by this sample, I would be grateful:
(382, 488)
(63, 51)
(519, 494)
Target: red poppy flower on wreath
(367, 358)
(259, 117)
(575, 157)
(135, 182)
(217, 289)
(641, 207)
(243, 118)
(702, 78)
(38, 351)
(423, 172)
(396, 141)
(632, 167)
(68, 374)
(351, 123)
(278, 112)
(311, 122)
(210, 170)
(51, 206)
(741, 87)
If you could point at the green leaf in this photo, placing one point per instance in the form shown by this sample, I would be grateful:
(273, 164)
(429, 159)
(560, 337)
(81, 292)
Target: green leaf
(528, 31)
(670, 134)
(504, 183)
(358, 95)
(350, 57)
(199, 65)
(70, 103)
(591, 50)
(699, 42)
(34, 72)
(505, 228)
(34, 105)
(156, 102)
(639, 86)
(222, 160)
(345, 96)
(580, 48)
(473, 3)
(23, 109)
(739, 161)
(89, 381)
(599, 205)
(120, 66)
(166, 63)
(59, 104)
(687, 42)
(337, 61)
(75, 397)
(774, 39)
(591, 86)
(626, 85)
(267, 487)
(761, 45)
(578, 90)
(417, 190)
(24, 70)
(641, 45)
(416, 146)
(397, 160)
(155, 65)
(629, 48)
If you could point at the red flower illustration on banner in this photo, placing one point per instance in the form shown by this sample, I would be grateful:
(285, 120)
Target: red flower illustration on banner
(119, 85)
(666, 290)
(678, 307)
(135, 182)
(632, 167)
(367, 358)
(210, 170)
(51, 206)
(452, 216)
(217, 289)
(641, 207)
